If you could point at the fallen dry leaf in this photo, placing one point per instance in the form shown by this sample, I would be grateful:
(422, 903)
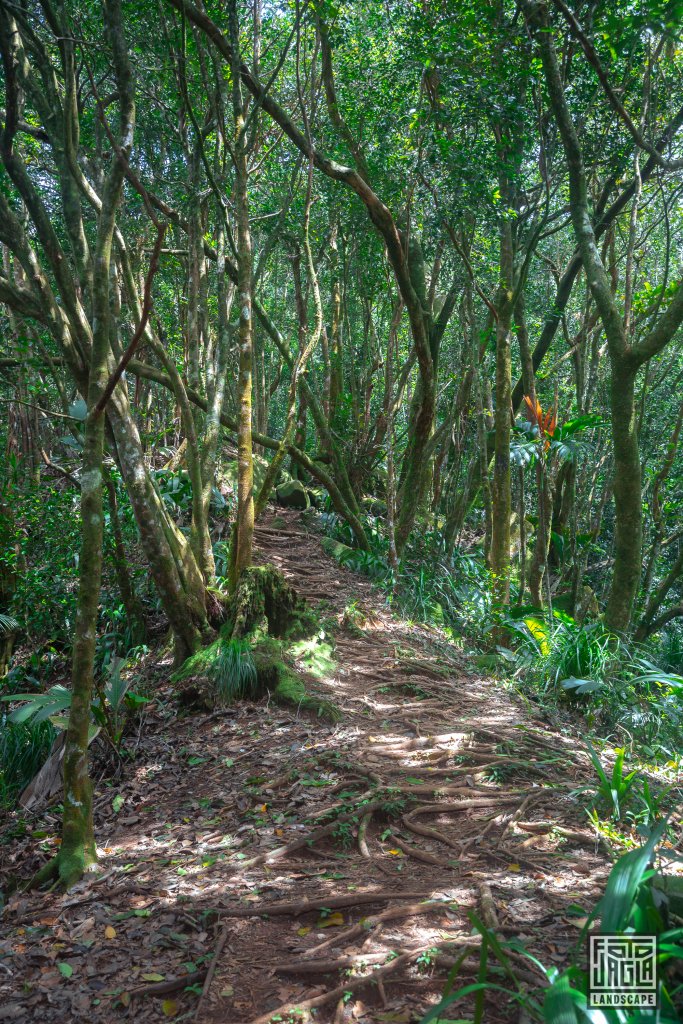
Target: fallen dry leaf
(335, 920)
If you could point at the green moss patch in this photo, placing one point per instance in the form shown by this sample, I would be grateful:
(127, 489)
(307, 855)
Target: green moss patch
(314, 655)
(292, 690)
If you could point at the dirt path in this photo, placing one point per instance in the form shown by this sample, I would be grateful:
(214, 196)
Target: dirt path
(365, 842)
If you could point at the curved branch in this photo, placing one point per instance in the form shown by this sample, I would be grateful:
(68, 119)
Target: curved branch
(615, 102)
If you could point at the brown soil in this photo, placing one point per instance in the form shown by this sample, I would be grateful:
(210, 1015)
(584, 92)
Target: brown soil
(280, 861)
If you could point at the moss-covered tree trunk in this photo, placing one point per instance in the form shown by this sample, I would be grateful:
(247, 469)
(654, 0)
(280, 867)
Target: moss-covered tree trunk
(173, 567)
(77, 850)
(501, 500)
(216, 396)
(628, 527)
(244, 533)
(336, 387)
(131, 602)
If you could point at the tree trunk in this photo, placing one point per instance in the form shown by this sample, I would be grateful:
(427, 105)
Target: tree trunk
(131, 602)
(174, 569)
(627, 501)
(244, 532)
(77, 851)
(500, 489)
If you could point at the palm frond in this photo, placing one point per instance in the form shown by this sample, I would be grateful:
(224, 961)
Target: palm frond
(7, 624)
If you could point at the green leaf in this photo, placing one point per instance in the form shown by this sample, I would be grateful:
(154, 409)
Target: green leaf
(581, 685)
(623, 883)
(558, 1005)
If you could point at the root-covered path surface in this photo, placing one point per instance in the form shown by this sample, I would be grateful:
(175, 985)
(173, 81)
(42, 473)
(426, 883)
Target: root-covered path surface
(277, 864)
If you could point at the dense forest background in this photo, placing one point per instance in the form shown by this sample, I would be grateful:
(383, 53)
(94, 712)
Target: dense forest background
(412, 264)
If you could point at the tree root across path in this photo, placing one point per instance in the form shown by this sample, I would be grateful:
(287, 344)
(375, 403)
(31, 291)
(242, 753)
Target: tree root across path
(351, 986)
(298, 907)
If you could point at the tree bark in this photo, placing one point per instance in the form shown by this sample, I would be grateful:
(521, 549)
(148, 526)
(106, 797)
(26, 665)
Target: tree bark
(244, 532)
(500, 486)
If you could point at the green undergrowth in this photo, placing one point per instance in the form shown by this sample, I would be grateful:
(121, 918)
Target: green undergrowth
(247, 669)
(269, 635)
(622, 690)
(445, 588)
(314, 655)
(613, 683)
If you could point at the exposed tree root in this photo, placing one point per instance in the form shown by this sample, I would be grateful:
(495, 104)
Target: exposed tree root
(329, 966)
(370, 925)
(545, 827)
(389, 745)
(297, 907)
(163, 988)
(489, 913)
(463, 805)
(331, 808)
(222, 939)
(362, 836)
(421, 855)
(351, 985)
(426, 832)
(61, 871)
(48, 873)
(313, 837)
(531, 799)
(427, 790)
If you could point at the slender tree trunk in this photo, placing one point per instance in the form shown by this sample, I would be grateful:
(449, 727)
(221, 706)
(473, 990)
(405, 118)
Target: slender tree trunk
(77, 851)
(244, 532)
(336, 373)
(216, 398)
(482, 455)
(522, 537)
(130, 599)
(173, 566)
(627, 500)
(500, 490)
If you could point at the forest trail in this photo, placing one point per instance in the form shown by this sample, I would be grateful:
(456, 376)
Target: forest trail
(440, 785)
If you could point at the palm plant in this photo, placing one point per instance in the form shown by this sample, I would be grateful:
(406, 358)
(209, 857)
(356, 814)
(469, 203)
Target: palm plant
(7, 624)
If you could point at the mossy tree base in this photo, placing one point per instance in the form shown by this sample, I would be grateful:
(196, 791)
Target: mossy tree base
(64, 870)
(265, 603)
(264, 616)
